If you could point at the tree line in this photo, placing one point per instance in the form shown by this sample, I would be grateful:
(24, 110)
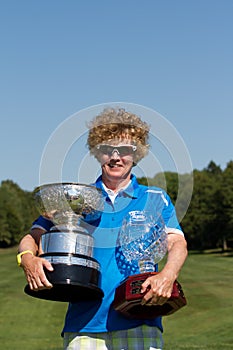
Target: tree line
(208, 219)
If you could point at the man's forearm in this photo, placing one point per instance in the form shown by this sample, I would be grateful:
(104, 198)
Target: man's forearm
(31, 241)
(28, 243)
(177, 254)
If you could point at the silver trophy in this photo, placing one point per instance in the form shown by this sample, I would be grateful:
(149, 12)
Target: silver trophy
(143, 240)
(68, 246)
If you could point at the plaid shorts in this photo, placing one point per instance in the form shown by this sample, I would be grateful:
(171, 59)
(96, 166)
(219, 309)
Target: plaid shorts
(139, 338)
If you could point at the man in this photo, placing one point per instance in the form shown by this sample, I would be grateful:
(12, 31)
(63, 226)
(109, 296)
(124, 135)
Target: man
(118, 139)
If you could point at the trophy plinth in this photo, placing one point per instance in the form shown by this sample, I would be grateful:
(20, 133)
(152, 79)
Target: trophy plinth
(128, 299)
(74, 278)
(68, 246)
(143, 240)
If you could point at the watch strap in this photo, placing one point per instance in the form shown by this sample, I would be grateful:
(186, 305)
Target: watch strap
(19, 256)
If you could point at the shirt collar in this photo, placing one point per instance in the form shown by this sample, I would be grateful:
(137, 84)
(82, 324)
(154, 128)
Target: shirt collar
(111, 192)
(130, 190)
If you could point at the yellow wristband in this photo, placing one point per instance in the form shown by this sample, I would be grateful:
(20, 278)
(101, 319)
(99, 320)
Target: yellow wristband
(18, 257)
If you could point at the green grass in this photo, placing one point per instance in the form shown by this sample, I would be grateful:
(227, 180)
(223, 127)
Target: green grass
(206, 323)
(26, 323)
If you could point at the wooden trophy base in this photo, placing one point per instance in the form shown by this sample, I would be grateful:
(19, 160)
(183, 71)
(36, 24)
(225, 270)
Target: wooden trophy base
(128, 299)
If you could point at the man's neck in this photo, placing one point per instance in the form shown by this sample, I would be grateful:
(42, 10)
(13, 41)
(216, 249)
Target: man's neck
(116, 186)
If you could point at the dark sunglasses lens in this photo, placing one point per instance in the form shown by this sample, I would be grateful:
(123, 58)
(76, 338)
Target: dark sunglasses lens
(105, 149)
(122, 150)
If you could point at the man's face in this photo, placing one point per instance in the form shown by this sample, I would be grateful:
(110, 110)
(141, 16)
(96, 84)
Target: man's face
(116, 160)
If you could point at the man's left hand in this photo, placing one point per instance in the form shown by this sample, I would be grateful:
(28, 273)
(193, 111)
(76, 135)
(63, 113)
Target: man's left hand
(157, 289)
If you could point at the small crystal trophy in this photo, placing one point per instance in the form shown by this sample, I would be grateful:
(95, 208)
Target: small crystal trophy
(143, 240)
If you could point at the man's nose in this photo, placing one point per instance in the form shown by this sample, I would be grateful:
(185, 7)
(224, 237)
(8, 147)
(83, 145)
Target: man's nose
(115, 154)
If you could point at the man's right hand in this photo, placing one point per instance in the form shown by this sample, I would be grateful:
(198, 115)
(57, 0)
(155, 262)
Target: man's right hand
(33, 267)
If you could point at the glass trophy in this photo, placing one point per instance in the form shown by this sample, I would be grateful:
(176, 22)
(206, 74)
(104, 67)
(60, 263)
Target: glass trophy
(143, 239)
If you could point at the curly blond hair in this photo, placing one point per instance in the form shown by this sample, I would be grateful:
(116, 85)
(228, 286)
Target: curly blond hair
(116, 124)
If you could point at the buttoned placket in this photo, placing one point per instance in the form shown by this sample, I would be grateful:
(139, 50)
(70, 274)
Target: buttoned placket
(118, 205)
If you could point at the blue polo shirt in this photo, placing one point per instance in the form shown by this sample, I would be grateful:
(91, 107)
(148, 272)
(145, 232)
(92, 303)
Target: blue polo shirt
(94, 316)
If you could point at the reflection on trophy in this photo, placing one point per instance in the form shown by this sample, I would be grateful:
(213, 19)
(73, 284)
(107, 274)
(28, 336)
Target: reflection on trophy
(143, 240)
(68, 246)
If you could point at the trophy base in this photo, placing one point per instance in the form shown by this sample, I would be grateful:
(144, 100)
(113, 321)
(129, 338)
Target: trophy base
(71, 283)
(128, 299)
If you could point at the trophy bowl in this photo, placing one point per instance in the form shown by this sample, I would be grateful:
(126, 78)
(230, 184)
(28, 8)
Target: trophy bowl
(68, 245)
(143, 239)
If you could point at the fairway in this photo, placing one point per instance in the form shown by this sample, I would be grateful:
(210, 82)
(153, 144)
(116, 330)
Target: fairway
(206, 323)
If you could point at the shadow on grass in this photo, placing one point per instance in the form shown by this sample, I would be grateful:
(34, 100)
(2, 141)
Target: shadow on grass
(219, 252)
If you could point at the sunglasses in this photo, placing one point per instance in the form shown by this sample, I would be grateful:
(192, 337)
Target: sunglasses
(123, 150)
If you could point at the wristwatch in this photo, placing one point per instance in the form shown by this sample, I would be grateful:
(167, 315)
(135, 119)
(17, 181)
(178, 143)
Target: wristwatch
(18, 257)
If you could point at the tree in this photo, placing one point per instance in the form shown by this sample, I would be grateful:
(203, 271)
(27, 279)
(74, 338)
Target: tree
(226, 206)
(17, 210)
(208, 222)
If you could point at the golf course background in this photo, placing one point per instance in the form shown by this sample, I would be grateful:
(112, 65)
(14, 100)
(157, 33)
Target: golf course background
(206, 323)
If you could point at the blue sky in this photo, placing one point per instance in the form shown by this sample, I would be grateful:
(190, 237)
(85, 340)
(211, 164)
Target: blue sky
(60, 57)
